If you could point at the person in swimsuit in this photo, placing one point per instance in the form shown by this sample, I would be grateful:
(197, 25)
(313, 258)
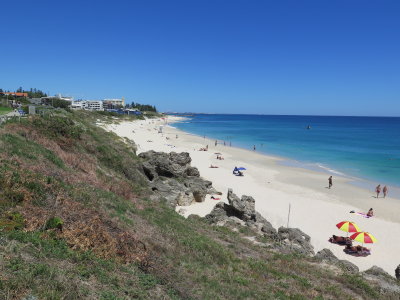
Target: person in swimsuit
(385, 191)
(330, 183)
(370, 213)
(378, 190)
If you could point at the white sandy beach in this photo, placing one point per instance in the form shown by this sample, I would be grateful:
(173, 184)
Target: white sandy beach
(315, 209)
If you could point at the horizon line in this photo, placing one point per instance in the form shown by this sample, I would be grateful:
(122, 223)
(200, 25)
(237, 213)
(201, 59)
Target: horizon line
(300, 115)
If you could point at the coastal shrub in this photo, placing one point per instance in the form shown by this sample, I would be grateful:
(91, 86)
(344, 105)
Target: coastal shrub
(12, 221)
(58, 126)
(54, 223)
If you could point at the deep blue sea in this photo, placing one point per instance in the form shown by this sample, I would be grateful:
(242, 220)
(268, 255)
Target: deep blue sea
(362, 147)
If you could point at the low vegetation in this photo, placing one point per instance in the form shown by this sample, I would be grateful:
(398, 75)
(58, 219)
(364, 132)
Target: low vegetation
(78, 221)
(5, 110)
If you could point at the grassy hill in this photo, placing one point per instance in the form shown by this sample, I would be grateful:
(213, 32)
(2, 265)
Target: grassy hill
(77, 222)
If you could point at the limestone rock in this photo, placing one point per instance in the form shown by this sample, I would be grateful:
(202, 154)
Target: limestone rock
(348, 266)
(245, 206)
(327, 256)
(397, 272)
(173, 179)
(241, 211)
(293, 239)
(376, 271)
(388, 285)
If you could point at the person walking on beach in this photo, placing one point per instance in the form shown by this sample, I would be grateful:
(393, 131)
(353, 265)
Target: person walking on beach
(216, 143)
(254, 148)
(330, 182)
(385, 191)
(378, 190)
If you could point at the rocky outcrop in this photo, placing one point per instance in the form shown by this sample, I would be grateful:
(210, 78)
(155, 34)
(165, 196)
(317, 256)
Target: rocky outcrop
(326, 255)
(171, 177)
(293, 239)
(388, 285)
(240, 211)
(244, 207)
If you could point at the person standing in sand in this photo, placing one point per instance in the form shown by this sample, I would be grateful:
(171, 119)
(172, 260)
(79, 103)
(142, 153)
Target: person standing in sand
(254, 148)
(330, 182)
(385, 191)
(378, 190)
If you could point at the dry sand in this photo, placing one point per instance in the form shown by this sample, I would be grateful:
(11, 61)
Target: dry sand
(315, 209)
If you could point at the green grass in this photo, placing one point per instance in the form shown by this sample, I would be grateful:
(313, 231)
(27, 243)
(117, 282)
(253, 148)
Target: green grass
(18, 145)
(5, 110)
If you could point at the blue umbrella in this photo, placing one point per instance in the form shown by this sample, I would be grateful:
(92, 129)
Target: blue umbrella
(241, 168)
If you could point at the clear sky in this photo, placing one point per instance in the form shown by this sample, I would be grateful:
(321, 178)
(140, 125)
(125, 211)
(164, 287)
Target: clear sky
(267, 57)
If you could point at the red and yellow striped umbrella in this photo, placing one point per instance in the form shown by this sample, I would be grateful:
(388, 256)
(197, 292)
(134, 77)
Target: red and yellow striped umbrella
(348, 226)
(363, 237)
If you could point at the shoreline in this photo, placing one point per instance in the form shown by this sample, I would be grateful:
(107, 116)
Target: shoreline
(315, 209)
(367, 184)
(312, 164)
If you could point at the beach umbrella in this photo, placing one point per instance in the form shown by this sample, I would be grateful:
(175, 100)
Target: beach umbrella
(348, 226)
(363, 237)
(241, 169)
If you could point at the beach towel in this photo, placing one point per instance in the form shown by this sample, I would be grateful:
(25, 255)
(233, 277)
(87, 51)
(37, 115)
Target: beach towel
(361, 214)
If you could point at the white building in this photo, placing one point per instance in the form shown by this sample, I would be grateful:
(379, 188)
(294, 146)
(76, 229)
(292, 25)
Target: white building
(114, 102)
(87, 104)
(93, 105)
(59, 96)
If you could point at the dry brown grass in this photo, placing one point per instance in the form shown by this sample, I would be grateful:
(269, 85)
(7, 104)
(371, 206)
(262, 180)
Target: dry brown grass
(86, 229)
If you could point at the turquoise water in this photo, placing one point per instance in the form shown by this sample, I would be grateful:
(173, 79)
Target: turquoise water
(364, 147)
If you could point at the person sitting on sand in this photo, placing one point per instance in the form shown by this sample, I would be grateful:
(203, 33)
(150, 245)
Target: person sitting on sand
(235, 170)
(378, 190)
(370, 213)
(212, 166)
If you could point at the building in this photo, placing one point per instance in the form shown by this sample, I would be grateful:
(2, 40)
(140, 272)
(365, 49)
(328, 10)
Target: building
(15, 94)
(65, 98)
(113, 103)
(93, 105)
(124, 111)
(87, 105)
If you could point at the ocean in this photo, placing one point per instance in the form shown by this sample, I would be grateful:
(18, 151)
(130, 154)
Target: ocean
(366, 148)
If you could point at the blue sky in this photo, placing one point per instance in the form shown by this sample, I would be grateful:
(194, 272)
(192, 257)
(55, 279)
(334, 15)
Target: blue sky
(268, 57)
